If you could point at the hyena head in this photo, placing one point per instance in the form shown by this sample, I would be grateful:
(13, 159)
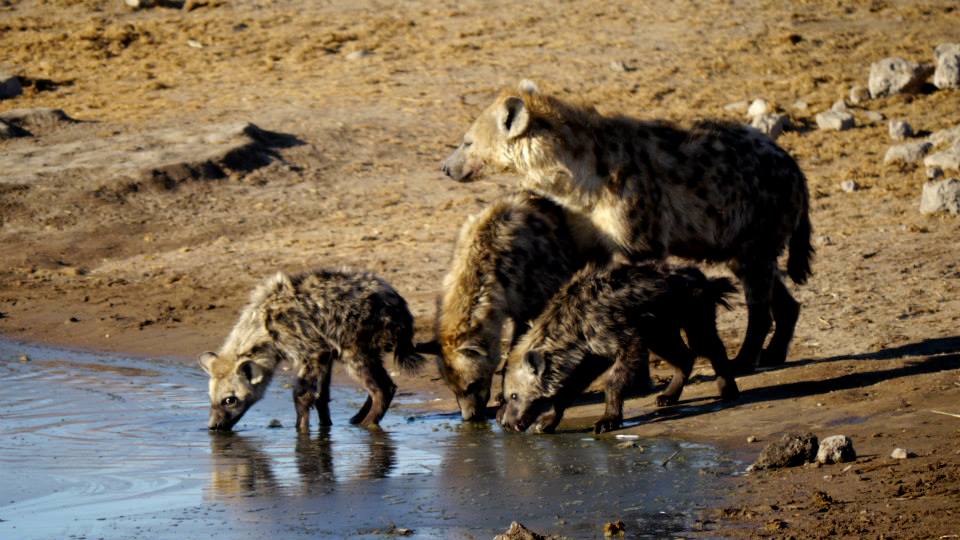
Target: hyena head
(236, 383)
(490, 141)
(468, 372)
(525, 402)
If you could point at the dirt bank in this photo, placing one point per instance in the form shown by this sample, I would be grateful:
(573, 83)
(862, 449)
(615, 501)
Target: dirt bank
(136, 229)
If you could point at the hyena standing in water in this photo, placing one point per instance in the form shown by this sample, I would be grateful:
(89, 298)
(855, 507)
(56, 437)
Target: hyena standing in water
(309, 320)
(715, 192)
(508, 261)
(610, 318)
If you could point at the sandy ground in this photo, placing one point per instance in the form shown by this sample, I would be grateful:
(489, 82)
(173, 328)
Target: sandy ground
(142, 227)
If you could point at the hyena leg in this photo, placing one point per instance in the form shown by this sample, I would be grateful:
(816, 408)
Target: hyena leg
(757, 280)
(324, 367)
(786, 311)
(305, 394)
(668, 345)
(704, 340)
(367, 369)
(630, 368)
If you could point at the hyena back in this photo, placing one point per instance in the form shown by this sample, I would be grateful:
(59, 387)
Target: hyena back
(508, 261)
(717, 191)
(614, 316)
(310, 320)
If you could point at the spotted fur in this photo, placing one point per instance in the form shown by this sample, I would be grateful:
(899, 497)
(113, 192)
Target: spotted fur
(309, 320)
(610, 318)
(717, 192)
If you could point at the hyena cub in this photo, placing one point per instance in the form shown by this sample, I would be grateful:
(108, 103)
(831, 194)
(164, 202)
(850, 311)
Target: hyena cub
(716, 191)
(614, 316)
(508, 261)
(309, 320)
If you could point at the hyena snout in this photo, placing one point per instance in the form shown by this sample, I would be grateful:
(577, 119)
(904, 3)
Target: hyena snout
(456, 166)
(221, 420)
(473, 405)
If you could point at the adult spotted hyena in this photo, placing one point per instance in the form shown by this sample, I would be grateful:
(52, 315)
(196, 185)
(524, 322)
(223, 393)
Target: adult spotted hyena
(309, 320)
(613, 317)
(508, 261)
(717, 192)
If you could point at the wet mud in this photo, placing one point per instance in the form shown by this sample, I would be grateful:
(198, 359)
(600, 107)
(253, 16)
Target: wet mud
(98, 446)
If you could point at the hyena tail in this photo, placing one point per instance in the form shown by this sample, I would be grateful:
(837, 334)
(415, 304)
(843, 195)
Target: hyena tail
(717, 291)
(801, 251)
(406, 356)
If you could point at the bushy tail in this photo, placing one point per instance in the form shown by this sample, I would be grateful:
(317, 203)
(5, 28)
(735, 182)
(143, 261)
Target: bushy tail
(406, 356)
(718, 290)
(801, 251)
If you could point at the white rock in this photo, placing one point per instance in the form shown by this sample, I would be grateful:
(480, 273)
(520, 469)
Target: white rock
(895, 75)
(356, 55)
(9, 86)
(772, 124)
(946, 137)
(858, 95)
(840, 106)
(948, 160)
(800, 105)
(907, 153)
(835, 120)
(947, 72)
(849, 186)
(900, 130)
(758, 107)
(873, 117)
(836, 449)
(941, 196)
(934, 173)
(899, 453)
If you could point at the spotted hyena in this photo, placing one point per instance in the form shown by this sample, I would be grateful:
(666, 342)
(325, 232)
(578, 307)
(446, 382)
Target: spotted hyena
(309, 320)
(613, 316)
(716, 192)
(508, 261)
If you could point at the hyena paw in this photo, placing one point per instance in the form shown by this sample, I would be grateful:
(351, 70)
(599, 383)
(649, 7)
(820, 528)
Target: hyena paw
(664, 400)
(606, 424)
(769, 358)
(729, 392)
(357, 418)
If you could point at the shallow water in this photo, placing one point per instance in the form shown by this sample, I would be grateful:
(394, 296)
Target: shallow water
(100, 446)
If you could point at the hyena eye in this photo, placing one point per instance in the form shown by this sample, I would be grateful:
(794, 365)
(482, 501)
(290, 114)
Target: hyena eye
(467, 144)
(514, 397)
(230, 401)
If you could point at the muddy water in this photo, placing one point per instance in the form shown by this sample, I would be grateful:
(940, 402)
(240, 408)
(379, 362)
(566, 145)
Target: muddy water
(97, 446)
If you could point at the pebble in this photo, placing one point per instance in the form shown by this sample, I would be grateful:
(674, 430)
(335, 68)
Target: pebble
(907, 153)
(835, 120)
(24, 359)
(836, 449)
(873, 117)
(752, 439)
(941, 196)
(840, 106)
(275, 424)
(849, 186)
(758, 107)
(10, 86)
(770, 124)
(800, 105)
(858, 95)
(948, 159)
(790, 450)
(900, 130)
(357, 55)
(900, 453)
(620, 66)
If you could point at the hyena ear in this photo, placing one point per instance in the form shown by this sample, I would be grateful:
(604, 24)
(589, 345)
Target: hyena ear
(513, 117)
(252, 371)
(528, 87)
(206, 361)
(533, 360)
(428, 347)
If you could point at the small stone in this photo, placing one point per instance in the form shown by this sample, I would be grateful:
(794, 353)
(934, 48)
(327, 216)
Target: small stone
(24, 359)
(823, 240)
(948, 160)
(900, 453)
(907, 153)
(620, 66)
(858, 95)
(752, 439)
(800, 105)
(736, 106)
(274, 424)
(947, 72)
(10, 86)
(834, 120)
(790, 450)
(517, 531)
(941, 196)
(194, 44)
(770, 124)
(840, 106)
(849, 186)
(138, 4)
(934, 173)
(896, 75)
(946, 137)
(900, 130)
(874, 117)
(758, 107)
(357, 55)
(836, 449)
(614, 529)
(72, 320)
